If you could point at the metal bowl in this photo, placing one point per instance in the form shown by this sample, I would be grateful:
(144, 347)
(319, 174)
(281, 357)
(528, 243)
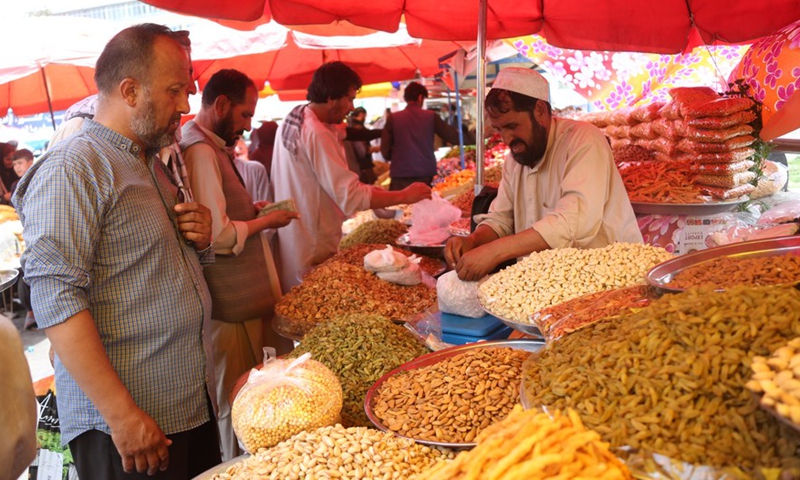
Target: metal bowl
(435, 251)
(530, 345)
(7, 279)
(663, 273)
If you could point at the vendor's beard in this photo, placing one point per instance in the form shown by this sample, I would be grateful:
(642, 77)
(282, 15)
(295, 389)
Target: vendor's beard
(143, 126)
(533, 154)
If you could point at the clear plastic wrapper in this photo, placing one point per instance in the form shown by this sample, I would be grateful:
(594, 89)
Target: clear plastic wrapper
(782, 213)
(567, 317)
(738, 118)
(648, 113)
(644, 130)
(746, 233)
(727, 180)
(774, 177)
(283, 398)
(726, 193)
(691, 146)
(720, 107)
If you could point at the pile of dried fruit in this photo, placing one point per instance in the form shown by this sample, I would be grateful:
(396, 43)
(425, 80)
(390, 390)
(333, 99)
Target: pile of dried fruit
(335, 289)
(453, 400)
(670, 378)
(376, 231)
(778, 379)
(729, 271)
(360, 349)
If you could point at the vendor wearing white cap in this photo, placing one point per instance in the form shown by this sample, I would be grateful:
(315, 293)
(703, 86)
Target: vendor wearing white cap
(562, 188)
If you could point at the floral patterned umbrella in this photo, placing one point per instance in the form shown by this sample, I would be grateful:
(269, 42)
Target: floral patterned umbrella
(612, 80)
(772, 69)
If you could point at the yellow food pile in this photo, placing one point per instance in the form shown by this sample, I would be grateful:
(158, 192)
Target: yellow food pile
(284, 398)
(529, 445)
(455, 179)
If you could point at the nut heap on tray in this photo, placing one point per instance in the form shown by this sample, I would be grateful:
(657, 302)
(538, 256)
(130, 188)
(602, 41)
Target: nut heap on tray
(453, 400)
(550, 277)
(338, 287)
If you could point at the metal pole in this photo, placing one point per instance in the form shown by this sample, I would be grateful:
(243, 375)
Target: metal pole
(480, 146)
(458, 120)
(49, 101)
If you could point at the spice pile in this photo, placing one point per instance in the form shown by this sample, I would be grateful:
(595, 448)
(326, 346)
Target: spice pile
(359, 349)
(670, 379)
(453, 400)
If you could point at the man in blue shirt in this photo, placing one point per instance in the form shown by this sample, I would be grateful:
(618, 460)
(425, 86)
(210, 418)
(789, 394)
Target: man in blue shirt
(114, 265)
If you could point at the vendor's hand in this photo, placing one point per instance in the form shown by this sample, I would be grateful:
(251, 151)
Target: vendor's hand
(455, 248)
(416, 192)
(140, 443)
(475, 264)
(259, 205)
(280, 218)
(194, 223)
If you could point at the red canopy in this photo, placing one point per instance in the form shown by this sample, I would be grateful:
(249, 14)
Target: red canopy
(288, 59)
(658, 26)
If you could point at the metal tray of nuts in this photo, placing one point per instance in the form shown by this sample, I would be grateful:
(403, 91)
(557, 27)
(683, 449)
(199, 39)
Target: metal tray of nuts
(526, 328)
(527, 344)
(663, 273)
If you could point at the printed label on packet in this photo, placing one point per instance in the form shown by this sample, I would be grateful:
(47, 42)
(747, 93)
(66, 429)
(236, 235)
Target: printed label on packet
(282, 205)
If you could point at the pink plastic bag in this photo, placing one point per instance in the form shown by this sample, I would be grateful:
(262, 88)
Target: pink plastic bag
(431, 219)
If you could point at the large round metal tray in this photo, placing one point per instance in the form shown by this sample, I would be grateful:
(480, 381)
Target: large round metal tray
(221, 468)
(707, 208)
(663, 273)
(486, 304)
(530, 345)
(435, 251)
(7, 279)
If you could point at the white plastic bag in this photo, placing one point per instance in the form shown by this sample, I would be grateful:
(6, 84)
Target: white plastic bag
(458, 297)
(386, 260)
(431, 221)
(409, 275)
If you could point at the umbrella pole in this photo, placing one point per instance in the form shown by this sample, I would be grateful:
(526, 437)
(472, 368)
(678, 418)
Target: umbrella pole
(458, 126)
(480, 146)
(49, 101)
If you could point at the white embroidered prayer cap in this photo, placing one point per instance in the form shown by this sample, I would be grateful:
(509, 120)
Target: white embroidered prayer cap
(526, 81)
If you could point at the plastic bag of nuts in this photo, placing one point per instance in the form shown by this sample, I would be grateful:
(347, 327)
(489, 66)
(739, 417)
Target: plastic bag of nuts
(283, 398)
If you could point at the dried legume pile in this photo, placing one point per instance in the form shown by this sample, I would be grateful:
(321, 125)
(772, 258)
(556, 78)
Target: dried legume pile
(726, 272)
(356, 453)
(550, 277)
(355, 256)
(360, 349)
(453, 400)
(671, 377)
(377, 231)
(335, 289)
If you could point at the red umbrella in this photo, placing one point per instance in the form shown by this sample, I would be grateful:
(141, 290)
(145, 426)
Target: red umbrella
(288, 64)
(616, 25)
(38, 74)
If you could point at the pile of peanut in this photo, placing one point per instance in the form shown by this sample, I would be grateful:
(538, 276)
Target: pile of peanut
(778, 378)
(453, 400)
(356, 453)
(550, 277)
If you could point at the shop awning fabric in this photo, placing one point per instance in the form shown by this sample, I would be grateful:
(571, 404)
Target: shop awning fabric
(655, 26)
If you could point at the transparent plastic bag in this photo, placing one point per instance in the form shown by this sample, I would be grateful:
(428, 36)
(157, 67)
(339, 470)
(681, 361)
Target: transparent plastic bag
(458, 297)
(572, 315)
(386, 260)
(432, 218)
(427, 327)
(409, 275)
(283, 398)
(781, 213)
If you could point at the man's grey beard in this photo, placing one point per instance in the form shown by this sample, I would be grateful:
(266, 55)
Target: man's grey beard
(143, 126)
